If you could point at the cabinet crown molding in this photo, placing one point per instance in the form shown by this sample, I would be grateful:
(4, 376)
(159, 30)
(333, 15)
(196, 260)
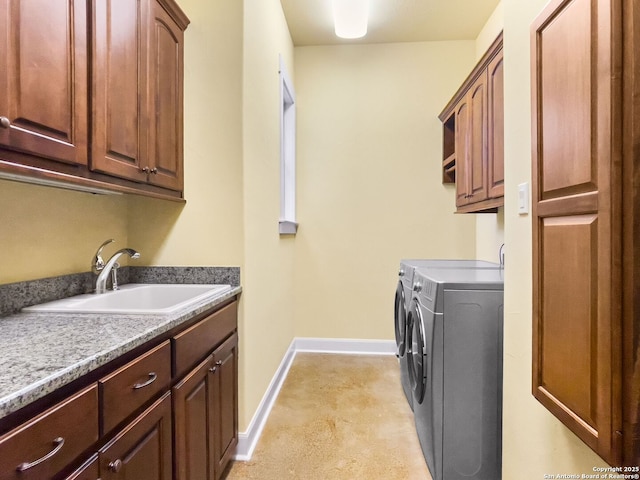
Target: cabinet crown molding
(482, 64)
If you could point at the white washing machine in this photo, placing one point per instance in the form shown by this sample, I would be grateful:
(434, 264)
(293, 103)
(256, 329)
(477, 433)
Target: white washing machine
(454, 359)
(403, 299)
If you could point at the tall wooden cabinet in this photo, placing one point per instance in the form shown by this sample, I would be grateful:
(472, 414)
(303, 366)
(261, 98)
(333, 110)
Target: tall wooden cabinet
(586, 196)
(473, 136)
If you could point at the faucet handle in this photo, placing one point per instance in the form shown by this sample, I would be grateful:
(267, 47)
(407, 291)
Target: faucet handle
(97, 264)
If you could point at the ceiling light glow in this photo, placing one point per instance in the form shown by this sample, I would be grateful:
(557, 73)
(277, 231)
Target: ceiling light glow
(350, 18)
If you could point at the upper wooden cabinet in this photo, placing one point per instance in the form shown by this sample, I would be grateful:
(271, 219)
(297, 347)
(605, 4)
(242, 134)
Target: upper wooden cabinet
(133, 71)
(165, 94)
(473, 136)
(495, 134)
(585, 266)
(120, 86)
(137, 101)
(43, 79)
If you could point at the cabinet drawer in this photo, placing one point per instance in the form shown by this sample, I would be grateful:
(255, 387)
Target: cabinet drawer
(44, 446)
(196, 342)
(134, 384)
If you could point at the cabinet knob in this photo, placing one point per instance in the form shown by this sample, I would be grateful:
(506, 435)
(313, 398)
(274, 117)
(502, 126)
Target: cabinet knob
(5, 122)
(215, 368)
(154, 170)
(145, 169)
(115, 466)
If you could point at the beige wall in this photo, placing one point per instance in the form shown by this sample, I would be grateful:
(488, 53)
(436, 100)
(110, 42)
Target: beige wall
(232, 173)
(370, 180)
(208, 230)
(267, 276)
(47, 231)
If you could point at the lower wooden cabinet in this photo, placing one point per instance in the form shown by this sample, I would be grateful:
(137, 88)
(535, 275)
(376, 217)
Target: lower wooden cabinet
(142, 451)
(44, 446)
(206, 415)
(225, 403)
(137, 421)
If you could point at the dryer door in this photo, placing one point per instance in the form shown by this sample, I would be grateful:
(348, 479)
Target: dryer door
(417, 355)
(400, 320)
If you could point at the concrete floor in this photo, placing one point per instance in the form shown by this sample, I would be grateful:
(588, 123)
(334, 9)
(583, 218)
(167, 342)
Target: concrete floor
(338, 417)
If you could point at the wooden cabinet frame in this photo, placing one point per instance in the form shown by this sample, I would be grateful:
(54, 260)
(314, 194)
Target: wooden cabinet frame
(94, 94)
(139, 441)
(473, 136)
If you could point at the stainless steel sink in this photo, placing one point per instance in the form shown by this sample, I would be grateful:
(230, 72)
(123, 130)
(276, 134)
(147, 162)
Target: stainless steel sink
(136, 299)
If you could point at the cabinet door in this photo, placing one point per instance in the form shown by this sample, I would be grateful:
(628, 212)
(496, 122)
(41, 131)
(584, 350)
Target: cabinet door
(476, 170)
(142, 451)
(166, 111)
(463, 124)
(495, 127)
(120, 101)
(471, 144)
(576, 227)
(192, 405)
(43, 78)
(225, 403)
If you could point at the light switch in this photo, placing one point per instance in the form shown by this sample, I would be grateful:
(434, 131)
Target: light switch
(523, 198)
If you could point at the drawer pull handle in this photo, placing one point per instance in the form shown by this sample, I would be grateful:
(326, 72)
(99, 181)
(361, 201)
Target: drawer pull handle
(152, 378)
(57, 442)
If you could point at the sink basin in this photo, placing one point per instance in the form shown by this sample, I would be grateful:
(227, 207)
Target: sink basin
(135, 298)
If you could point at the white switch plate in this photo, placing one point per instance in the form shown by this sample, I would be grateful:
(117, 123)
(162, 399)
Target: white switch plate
(523, 198)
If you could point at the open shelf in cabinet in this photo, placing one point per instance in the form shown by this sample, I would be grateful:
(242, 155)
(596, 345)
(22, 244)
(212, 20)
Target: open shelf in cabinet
(449, 149)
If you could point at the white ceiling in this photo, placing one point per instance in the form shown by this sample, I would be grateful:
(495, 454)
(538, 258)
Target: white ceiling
(311, 23)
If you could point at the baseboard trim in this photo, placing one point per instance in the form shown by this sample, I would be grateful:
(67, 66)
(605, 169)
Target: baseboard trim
(248, 440)
(345, 346)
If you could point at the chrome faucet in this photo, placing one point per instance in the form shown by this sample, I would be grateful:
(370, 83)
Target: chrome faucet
(110, 267)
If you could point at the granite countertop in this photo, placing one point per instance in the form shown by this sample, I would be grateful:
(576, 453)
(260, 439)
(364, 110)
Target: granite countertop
(40, 352)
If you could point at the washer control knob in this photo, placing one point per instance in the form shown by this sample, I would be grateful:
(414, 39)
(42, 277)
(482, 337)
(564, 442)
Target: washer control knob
(401, 273)
(417, 287)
